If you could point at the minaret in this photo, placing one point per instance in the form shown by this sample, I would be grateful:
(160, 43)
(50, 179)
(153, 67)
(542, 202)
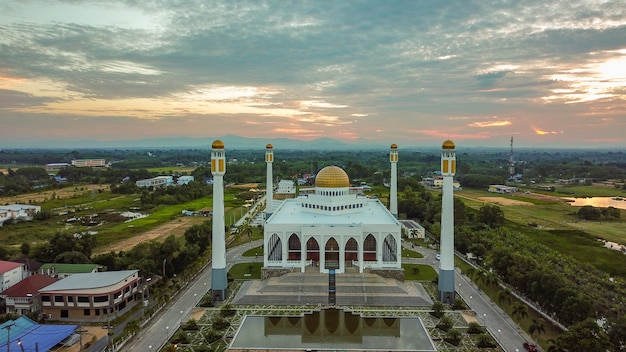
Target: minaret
(393, 192)
(269, 194)
(219, 283)
(446, 265)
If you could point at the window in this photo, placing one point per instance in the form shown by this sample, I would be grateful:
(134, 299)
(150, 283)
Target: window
(86, 311)
(127, 289)
(70, 299)
(64, 313)
(58, 299)
(96, 311)
(45, 298)
(100, 299)
(83, 299)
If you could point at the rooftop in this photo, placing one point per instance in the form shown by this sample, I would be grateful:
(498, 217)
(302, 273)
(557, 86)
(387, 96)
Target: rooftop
(89, 281)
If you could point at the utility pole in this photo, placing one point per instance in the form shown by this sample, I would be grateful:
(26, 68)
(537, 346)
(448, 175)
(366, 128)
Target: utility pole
(80, 331)
(8, 327)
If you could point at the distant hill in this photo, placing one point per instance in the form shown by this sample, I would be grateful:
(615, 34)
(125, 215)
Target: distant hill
(231, 142)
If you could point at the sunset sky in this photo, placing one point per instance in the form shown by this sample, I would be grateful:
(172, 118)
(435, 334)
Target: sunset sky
(548, 73)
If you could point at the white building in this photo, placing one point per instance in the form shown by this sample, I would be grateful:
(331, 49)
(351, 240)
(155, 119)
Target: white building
(11, 273)
(155, 181)
(331, 228)
(183, 180)
(286, 187)
(18, 212)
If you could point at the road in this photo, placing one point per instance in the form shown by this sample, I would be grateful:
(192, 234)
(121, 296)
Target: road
(506, 332)
(154, 336)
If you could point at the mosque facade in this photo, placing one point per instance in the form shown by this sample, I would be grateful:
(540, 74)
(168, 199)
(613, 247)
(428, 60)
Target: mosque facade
(332, 229)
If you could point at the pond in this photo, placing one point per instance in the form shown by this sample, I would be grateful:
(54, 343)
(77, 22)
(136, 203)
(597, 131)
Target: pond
(600, 202)
(332, 329)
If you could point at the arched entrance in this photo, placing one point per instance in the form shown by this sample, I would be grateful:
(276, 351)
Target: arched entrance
(331, 254)
(313, 251)
(351, 253)
(294, 252)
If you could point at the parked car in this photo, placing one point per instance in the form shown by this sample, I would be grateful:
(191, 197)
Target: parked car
(530, 347)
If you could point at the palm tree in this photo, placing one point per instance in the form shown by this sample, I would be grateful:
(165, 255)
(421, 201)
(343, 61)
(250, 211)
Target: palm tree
(555, 346)
(537, 326)
(520, 311)
(246, 229)
(132, 327)
(504, 296)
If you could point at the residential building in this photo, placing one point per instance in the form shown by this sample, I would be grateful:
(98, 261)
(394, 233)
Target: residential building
(502, 189)
(286, 187)
(23, 297)
(18, 212)
(32, 266)
(11, 273)
(413, 229)
(93, 296)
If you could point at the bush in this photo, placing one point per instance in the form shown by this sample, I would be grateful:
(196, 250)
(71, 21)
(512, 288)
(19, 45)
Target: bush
(445, 323)
(453, 337)
(220, 323)
(212, 336)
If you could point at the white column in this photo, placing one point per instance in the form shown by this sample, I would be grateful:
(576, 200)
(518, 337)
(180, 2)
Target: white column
(393, 191)
(269, 159)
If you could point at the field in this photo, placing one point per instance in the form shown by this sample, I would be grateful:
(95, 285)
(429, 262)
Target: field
(61, 193)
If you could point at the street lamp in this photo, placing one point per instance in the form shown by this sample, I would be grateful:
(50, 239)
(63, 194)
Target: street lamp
(485, 315)
(499, 331)
(181, 318)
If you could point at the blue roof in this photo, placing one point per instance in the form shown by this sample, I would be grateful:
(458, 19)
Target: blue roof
(32, 334)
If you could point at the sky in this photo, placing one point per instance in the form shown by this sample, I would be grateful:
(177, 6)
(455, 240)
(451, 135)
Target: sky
(547, 73)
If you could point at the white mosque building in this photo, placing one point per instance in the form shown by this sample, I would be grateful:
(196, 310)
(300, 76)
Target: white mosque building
(333, 229)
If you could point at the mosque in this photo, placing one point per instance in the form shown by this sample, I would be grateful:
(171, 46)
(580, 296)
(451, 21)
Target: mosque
(331, 228)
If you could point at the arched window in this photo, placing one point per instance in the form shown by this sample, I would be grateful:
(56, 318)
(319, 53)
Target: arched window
(389, 249)
(274, 248)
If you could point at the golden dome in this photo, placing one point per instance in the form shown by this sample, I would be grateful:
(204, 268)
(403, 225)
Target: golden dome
(448, 144)
(332, 177)
(217, 144)
(269, 146)
(394, 146)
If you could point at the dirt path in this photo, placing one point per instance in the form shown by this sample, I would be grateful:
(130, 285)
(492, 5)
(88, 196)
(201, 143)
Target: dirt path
(503, 201)
(61, 193)
(175, 227)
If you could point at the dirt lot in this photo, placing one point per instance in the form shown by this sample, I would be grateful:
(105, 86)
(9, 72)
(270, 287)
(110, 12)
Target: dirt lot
(503, 201)
(62, 193)
(93, 333)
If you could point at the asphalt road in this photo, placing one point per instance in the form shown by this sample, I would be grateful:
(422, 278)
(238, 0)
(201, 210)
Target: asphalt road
(154, 335)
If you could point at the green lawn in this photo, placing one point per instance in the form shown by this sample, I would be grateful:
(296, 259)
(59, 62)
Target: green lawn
(246, 271)
(419, 272)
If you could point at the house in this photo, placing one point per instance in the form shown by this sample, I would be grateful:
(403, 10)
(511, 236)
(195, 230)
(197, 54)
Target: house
(23, 297)
(18, 212)
(62, 270)
(23, 334)
(11, 273)
(92, 296)
(32, 266)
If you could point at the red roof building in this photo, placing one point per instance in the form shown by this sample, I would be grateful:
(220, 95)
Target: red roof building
(11, 273)
(23, 297)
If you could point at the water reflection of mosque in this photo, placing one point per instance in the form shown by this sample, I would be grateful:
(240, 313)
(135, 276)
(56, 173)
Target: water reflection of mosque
(332, 324)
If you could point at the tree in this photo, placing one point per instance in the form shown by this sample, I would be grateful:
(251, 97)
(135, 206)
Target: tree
(491, 215)
(132, 327)
(437, 309)
(589, 212)
(25, 248)
(445, 323)
(504, 296)
(520, 311)
(453, 337)
(537, 326)
(585, 336)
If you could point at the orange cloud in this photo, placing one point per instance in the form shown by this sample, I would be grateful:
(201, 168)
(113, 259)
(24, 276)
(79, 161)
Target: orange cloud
(542, 132)
(490, 124)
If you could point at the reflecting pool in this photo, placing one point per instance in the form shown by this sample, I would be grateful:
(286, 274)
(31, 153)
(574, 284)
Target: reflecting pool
(600, 202)
(332, 329)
